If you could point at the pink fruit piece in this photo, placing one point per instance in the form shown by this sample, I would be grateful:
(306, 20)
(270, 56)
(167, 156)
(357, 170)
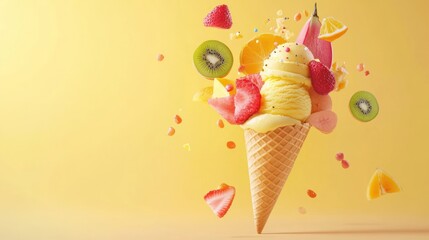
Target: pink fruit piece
(345, 164)
(219, 17)
(247, 100)
(319, 102)
(225, 107)
(254, 78)
(324, 121)
(309, 36)
(322, 79)
(339, 156)
(220, 200)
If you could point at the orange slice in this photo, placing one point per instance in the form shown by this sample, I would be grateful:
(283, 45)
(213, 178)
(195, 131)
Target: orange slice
(256, 51)
(331, 29)
(380, 184)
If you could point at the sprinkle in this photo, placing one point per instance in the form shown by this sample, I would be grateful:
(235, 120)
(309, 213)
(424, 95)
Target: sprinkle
(160, 57)
(171, 131)
(360, 67)
(287, 49)
(302, 210)
(255, 30)
(311, 193)
(339, 156)
(297, 17)
(345, 164)
(187, 146)
(229, 87)
(276, 43)
(366, 73)
(279, 12)
(230, 144)
(220, 123)
(306, 13)
(177, 119)
(257, 40)
(236, 35)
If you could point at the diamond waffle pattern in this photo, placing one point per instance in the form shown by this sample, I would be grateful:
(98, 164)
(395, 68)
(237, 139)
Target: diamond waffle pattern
(270, 158)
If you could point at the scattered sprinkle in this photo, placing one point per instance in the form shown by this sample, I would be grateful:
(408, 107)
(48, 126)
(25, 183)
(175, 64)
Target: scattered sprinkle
(160, 57)
(306, 13)
(360, 67)
(302, 210)
(311, 193)
(177, 119)
(220, 123)
(171, 131)
(279, 12)
(345, 164)
(255, 30)
(366, 73)
(287, 49)
(187, 146)
(236, 35)
(276, 43)
(297, 17)
(257, 40)
(339, 156)
(230, 144)
(229, 87)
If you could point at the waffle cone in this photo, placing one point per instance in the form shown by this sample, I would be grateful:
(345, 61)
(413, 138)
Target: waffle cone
(270, 158)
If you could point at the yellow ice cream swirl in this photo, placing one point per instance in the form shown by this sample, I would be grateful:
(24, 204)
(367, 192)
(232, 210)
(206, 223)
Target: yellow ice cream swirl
(286, 82)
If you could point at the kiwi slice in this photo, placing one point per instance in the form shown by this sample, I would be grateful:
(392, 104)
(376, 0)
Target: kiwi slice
(213, 59)
(364, 106)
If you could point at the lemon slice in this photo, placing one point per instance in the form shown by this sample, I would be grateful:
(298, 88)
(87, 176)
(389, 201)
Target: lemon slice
(331, 29)
(380, 184)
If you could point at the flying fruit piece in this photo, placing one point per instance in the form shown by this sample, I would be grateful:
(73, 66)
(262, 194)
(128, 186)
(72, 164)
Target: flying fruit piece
(219, 88)
(309, 36)
(380, 184)
(203, 95)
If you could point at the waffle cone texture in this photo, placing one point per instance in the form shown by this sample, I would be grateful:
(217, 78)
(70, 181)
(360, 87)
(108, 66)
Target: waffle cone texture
(270, 158)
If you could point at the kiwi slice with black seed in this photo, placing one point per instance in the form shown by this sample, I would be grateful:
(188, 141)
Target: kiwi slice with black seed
(213, 59)
(364, 106)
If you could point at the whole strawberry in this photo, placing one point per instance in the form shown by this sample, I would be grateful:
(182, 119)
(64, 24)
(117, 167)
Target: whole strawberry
(219, 17)
(322, 80)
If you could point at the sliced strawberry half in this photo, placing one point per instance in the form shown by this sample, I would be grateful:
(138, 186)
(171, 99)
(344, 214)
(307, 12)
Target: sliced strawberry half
(254, 78)
(225, 107)
(220, 200)
(247, 100)
(322, 79)
(219, 17)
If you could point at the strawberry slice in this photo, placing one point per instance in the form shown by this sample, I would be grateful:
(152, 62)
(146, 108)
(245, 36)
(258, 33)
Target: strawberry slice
(220, 200)
(219, 17)
(322, 80)
(225, 107)
(247, 100)
(254, 78)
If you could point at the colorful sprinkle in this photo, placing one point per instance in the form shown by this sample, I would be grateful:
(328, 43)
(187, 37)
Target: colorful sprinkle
(366, 73)
(339, 156)
(257, 40)
(171, 131)
(229, 87)
(302, 210)
(287, 49)
(230, 144)
(345, 164)
(177, 119)
(311, 193)
(220, 123)
(255, 30)
(276, 43)
(297, 17)
(187, 146)
(360, 67)
(160, 57)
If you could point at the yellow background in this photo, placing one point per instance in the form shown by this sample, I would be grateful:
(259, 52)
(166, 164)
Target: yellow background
(85, 107)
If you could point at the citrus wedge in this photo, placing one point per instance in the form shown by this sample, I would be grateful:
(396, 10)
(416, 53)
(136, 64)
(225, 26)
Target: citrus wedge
(252, 56)
(331, 29)
(203, 95)
(380, 184)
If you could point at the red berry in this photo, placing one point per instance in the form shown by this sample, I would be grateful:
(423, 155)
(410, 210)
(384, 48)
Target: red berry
(322, 80)
(311, 193)
(339, 156)
(345, 164)
(219, 17)
(247, 100)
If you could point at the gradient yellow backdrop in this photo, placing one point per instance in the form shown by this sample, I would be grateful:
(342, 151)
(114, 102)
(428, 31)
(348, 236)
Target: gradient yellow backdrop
(85, 107)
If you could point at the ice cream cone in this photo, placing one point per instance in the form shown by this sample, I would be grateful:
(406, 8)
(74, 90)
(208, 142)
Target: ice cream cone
(271, 157)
